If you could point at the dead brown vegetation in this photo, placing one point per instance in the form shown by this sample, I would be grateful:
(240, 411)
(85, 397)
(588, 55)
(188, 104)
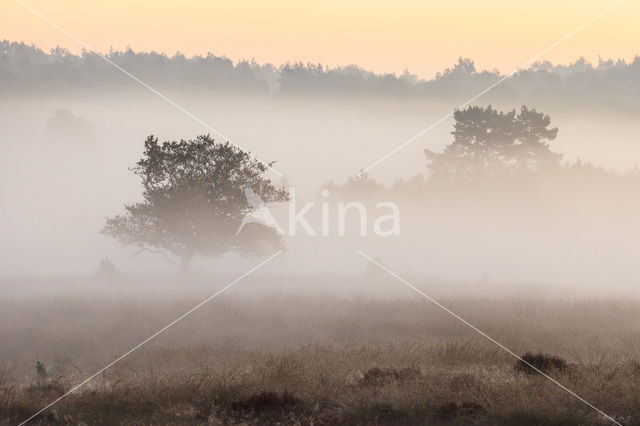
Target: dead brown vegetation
(319, 361)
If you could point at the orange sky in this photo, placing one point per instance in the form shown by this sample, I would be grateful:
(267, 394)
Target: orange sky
(383, 36)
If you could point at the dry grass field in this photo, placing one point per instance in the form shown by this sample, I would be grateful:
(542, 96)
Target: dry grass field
(295, 359)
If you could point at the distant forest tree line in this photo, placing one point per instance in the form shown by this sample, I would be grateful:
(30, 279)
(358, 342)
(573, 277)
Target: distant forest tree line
(26, 68)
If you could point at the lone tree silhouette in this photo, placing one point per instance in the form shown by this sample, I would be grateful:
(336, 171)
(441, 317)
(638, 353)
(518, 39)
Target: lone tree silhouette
(194, 201)
(489, 142)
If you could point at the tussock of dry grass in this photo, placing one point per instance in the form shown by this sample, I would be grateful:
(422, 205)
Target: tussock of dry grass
(330, 361)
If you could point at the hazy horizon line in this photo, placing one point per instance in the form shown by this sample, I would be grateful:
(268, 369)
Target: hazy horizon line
(407, 72)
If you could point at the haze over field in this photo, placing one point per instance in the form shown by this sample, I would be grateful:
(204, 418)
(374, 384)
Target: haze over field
(72, 146)
(270, 234)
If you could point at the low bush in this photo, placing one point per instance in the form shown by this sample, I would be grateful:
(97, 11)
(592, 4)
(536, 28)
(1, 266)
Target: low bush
(542, 362)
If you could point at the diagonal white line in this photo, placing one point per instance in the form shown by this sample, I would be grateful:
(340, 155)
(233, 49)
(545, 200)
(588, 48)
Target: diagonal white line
(538, 55)
(163, 329)
(467, 323)
(133, 77)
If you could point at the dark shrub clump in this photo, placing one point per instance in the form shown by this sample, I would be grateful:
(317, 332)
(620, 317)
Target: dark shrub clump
(452, 410)
(543, 362)
(265, 401)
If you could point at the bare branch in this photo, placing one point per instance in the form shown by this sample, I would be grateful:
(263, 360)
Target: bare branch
(160, 252)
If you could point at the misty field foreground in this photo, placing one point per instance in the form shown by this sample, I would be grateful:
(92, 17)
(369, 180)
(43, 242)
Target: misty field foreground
(292, 359)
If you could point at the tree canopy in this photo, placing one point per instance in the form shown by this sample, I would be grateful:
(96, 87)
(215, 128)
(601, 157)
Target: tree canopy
(194, 201)
(488, 142)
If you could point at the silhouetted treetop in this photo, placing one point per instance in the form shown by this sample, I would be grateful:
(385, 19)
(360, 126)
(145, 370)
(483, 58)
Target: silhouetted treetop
(194, 200)
(489, 142)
